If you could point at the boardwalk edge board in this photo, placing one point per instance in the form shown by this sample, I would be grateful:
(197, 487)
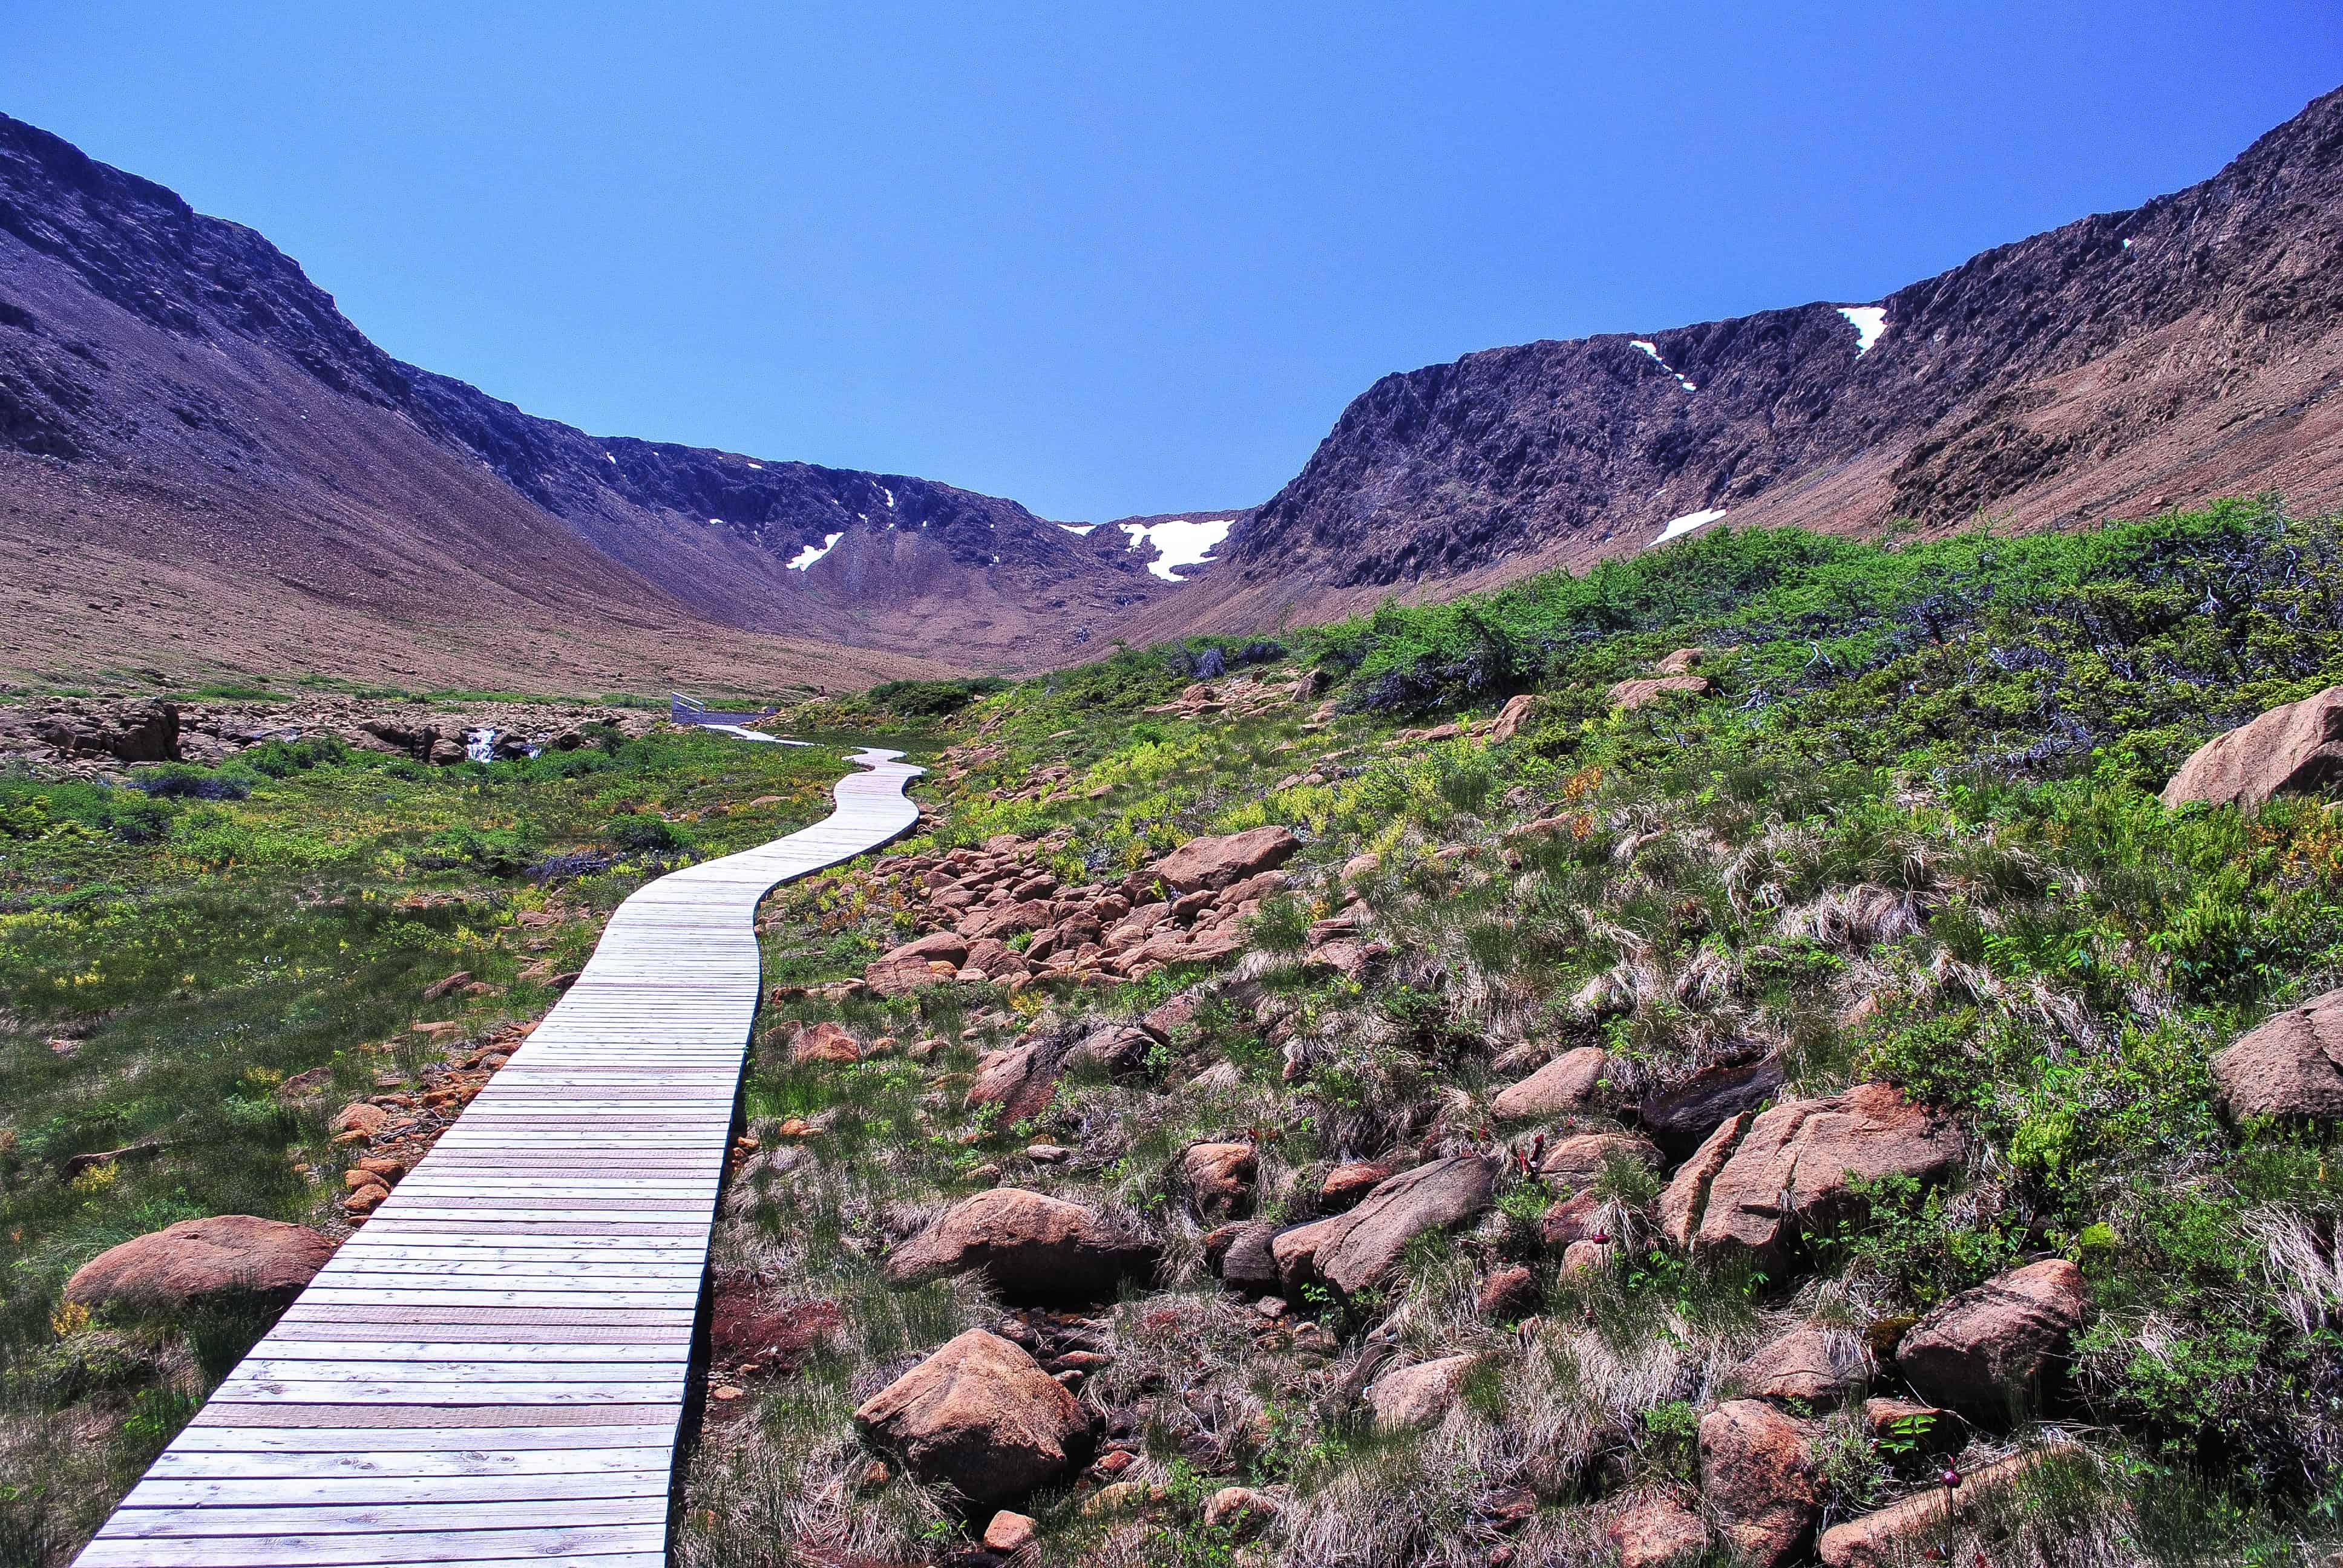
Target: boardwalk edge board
(494, 1370)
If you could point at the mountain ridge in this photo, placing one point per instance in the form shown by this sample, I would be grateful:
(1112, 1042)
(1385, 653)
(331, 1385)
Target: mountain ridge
(2091, 368)
(108, 280)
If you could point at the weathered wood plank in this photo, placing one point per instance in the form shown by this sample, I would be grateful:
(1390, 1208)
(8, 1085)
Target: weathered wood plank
(492, 1373)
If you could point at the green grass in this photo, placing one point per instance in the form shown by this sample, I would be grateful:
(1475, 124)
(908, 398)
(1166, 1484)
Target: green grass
(195, 953)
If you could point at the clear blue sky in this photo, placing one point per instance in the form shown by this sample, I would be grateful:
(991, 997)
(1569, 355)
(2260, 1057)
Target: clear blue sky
(1110, 259)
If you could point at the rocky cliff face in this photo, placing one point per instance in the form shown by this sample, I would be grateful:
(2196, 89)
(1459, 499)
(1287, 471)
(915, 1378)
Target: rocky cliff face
(2121, 364)
(161, 362)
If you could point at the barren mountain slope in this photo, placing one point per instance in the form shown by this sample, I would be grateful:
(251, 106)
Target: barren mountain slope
(2121, 364)
(173, 391)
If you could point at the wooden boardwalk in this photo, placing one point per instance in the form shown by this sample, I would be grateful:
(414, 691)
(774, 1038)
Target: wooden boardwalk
(493, 1371)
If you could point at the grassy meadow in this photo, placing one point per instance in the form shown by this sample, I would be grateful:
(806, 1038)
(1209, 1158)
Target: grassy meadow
(1911, 833)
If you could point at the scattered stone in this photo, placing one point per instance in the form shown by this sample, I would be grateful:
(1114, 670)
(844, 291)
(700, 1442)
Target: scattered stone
(1511, 717)
(1022, 1080)
(1585, 1257)
(1249, 1259)
(221, 1258)
(361, 1119)
(447, 987)
(1756, 1181)
(76, 1164)
(1509, 1294)
(1656, 1533)
(1820, 1366)
(1241, 1510)
(306, 1085)
(1219, 1177)
(1119, 1049)
(1029, 1246)
(1630, 695)
(1897, 1533)
(1927, 1428)
(981, 1416)
(2295, 750)
(906, 969)
(1574, 1164)
(2290, 1066)
(1419, 1395)
(1009, 1532)
(1355, 1250)
(1572, 1220)
(823, 1042)
(1216, 863)
(1986, 1350)
(1346, 1184)
(1757, 1479)
(1683, 661)
(1565, 1084)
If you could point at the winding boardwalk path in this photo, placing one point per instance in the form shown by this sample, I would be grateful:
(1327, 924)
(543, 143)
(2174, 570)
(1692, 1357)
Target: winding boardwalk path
(493, 1371)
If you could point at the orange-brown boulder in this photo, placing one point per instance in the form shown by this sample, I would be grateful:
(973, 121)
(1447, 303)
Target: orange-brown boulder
(1217, 862)
(1354, 1251)
(1757, 1479)
(1813, 1365)
(195, 1261)
(1218, 1176)
(1346, 1184)
(1656, 1533)
(1569, 1083)
(2289, 1066)
(981, 1417)
(1511, 718)
(1021, 1080)
(912, 965)
(1988, 1350)
(1759, 1179)
(2296, 750)
(1030, 1246)
(1630, 695)
(823, 1042)
(1900, 1533)
(1576, 1163)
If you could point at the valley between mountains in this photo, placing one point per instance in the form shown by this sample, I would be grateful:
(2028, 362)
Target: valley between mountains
(1706, 945)
(206, 470)
(1778, 1049)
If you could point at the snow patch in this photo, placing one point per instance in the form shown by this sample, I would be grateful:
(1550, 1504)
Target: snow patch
(716, 522)
(1178, 544)
(888, 493)
(804, 559)
(1680, 526)
(1654, 350)
(1078, 528)
(1868, 321)
(761, 469)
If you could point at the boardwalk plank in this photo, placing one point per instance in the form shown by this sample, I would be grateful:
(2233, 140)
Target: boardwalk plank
(492, 1373)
